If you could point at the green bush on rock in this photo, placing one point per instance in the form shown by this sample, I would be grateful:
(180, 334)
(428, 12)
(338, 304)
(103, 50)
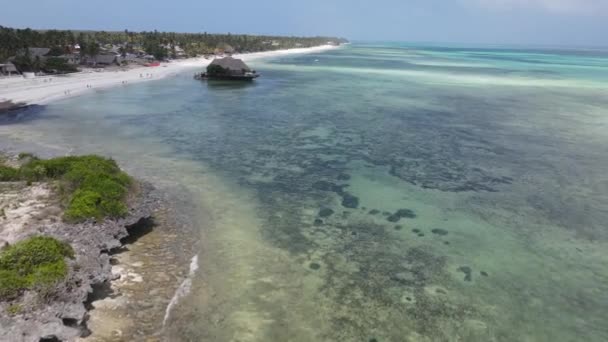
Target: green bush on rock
(92, 186)
(14, 309)
(35, 263)
(8, 174)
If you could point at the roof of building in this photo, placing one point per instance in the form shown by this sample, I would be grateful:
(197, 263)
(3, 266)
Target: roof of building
(231, 64)
(105, 59)
(40, 52)
(9, 67)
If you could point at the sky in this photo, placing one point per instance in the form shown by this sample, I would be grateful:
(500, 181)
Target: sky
(515, 22)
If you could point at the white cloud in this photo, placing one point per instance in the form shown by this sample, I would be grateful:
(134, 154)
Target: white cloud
(558, 6)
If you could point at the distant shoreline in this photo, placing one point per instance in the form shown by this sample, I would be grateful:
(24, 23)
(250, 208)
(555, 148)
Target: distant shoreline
(44, 90)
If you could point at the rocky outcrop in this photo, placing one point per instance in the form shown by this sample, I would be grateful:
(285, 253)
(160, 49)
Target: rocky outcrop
(6, 106)
(61, 315)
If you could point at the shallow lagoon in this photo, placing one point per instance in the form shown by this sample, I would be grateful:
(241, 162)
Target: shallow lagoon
(496, 159)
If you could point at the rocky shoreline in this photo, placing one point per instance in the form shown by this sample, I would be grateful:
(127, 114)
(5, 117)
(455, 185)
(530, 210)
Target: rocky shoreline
(63, 314)
(8, 106)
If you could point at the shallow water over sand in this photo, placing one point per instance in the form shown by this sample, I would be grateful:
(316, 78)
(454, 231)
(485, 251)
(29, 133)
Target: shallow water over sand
(376, 193)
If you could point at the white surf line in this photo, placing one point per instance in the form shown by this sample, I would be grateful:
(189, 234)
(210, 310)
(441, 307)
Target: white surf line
(182, 290)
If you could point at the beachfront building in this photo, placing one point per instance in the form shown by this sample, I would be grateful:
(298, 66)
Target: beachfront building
(38, 52)
(130, 58)
(223, 49)
(175, 51)
(230, 68)
(105, 59)
(71, 58)
(8, 69)
(100, 60)
(179, 52)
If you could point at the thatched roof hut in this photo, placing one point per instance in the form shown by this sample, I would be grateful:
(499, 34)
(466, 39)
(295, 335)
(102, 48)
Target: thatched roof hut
(230, 66)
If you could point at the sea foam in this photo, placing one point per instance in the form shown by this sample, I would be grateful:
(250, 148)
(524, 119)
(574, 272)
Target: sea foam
(183, 289)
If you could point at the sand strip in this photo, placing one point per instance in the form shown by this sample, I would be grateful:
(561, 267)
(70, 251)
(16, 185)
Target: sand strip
(43, 90)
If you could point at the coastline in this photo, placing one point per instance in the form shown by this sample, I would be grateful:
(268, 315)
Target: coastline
(44, 90)
(106, 294)
(258, 170)
(35, 210)
(128, 312)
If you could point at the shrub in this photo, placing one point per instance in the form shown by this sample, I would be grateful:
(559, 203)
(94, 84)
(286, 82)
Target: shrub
(84, 204)
(14, 309)
(92, 186)
(11, 284)
(59, 65)
(37, 262)
(8, 174)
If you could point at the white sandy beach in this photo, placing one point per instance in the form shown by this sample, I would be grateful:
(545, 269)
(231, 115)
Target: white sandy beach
(45, 89)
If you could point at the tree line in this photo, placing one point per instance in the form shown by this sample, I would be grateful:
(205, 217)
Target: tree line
(159, 44)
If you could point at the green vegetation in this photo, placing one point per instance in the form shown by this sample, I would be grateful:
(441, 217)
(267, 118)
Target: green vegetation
(34, 263)
(8, 174)
(91, 186)
(58, 65)
(153, 46)
(159, 44)
(14, 309)
(88, 47)
(50, 64)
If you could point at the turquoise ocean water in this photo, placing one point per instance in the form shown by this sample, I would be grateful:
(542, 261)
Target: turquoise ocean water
(377, 192)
